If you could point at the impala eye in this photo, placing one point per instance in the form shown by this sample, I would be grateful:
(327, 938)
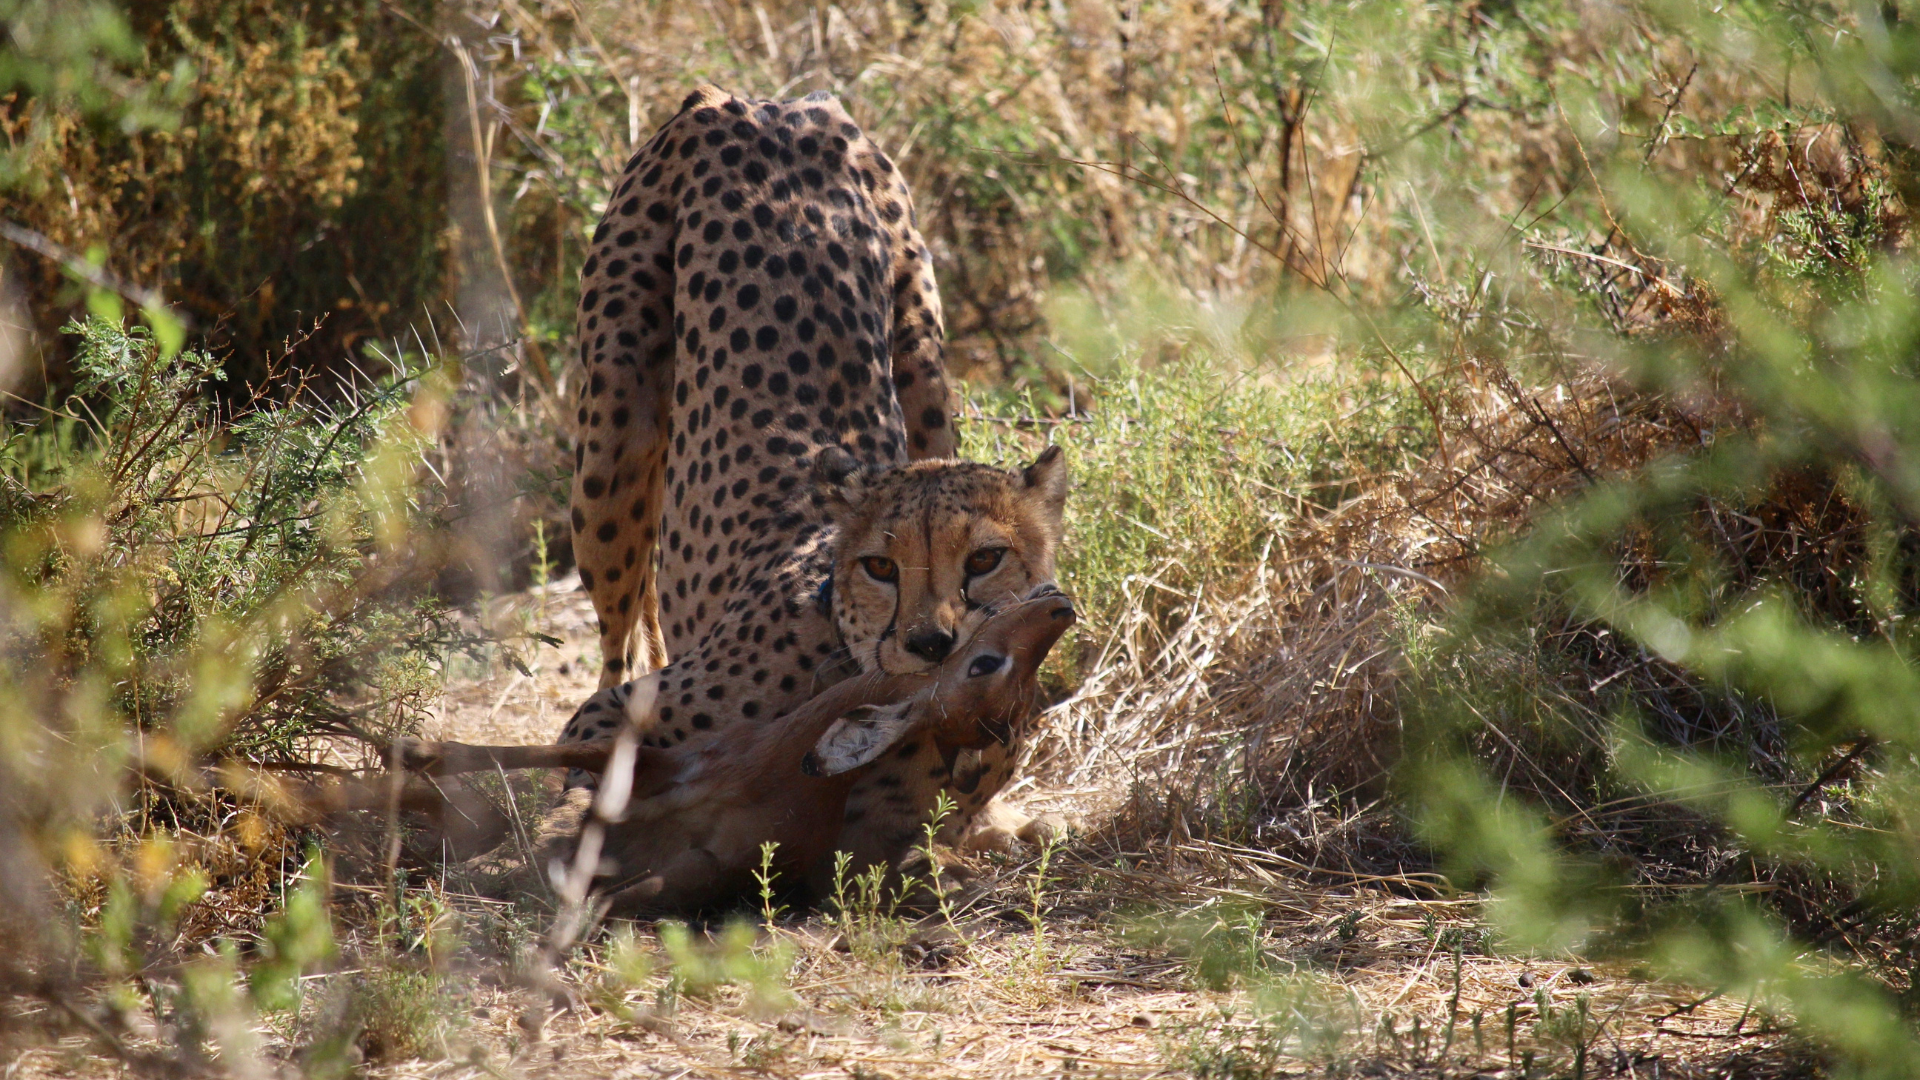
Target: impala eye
(985, 665)
(880, 568)
(984, 560)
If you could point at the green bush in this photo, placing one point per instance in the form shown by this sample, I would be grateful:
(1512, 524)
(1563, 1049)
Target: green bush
(191, 581)
(263, 167)
(223, 579)
(1707, 665)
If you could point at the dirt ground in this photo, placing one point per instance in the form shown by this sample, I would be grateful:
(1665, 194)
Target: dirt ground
(1059, 979)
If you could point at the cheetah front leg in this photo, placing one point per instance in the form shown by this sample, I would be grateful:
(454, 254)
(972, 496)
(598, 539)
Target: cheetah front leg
(985, 821)
(889, 809)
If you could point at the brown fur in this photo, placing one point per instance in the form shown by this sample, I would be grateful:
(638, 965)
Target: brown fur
(694, 834)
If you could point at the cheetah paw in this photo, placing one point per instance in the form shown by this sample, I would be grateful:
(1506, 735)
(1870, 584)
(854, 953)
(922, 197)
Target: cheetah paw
(1000, 827)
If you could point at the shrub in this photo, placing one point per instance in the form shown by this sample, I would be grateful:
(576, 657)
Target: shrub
(224, 578)
(1701, 671)
(187, 583)
(261, 167)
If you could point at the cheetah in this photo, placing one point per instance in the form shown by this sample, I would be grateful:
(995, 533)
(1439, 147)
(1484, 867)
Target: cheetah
(759, 261)
(765, 500)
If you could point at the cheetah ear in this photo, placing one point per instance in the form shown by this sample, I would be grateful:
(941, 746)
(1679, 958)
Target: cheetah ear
(858, 738)
(840, 477)
(703, 95)
(1046, 479)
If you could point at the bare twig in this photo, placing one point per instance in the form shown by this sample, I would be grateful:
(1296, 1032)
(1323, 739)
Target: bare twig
(92, 274)
(1827, 775)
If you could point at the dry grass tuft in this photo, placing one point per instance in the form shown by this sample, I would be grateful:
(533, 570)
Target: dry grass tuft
(1269, 717)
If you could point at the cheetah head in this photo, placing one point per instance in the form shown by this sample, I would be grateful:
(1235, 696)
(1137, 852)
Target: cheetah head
(928, 552)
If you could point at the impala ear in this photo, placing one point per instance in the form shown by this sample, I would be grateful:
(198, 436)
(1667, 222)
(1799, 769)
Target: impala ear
(840, 477)
(857, 738)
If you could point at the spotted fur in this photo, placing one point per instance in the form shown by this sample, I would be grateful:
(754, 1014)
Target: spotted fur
(758, 308)
(756, 290)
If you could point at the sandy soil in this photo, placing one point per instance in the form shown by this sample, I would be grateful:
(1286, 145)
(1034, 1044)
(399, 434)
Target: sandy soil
(991, 998)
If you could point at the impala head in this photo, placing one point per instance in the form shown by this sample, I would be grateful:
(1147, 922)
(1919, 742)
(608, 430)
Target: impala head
(975, 697)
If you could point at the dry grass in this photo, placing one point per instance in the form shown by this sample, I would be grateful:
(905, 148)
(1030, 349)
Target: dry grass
(1269, 714)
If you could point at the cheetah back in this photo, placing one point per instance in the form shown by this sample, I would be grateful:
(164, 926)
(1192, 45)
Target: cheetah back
(756, 291)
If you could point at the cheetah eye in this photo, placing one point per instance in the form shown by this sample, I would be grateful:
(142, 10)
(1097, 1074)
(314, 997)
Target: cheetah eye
(880, 568)
(984, 560)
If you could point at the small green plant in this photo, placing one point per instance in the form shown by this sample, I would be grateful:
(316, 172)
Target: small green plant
(295, 939)
(699, 966)
(1040, 958)
(760, 1053)
(943, 808)
(424, 924)
(401, 1009)
(866, 911)
(628, 968)
(842, 908)
(1284, 1023)
(1347, 926)
(1224, 945)
(763, 876)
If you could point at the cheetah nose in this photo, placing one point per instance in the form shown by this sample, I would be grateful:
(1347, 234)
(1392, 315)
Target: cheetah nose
(932, 644)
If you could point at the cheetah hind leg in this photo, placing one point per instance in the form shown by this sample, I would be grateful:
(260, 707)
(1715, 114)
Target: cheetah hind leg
(647, 646)
(624, 425)
(619, 536)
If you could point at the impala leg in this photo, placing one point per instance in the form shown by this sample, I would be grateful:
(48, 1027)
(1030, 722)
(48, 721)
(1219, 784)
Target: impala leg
(445, 758)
